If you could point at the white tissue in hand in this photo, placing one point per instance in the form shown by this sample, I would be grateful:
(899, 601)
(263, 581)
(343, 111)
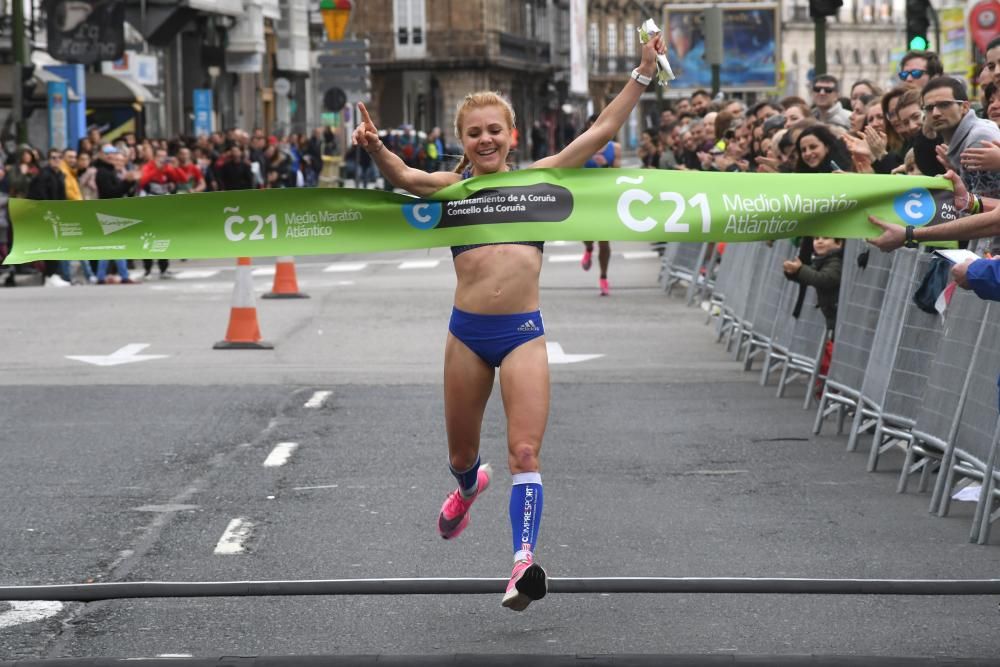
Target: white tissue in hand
(663, 71)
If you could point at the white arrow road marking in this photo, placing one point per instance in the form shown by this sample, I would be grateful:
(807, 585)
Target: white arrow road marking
(28, 612)
(236, 533)
(557, 356)
(125, 355)
(263, 272)
(641, 254)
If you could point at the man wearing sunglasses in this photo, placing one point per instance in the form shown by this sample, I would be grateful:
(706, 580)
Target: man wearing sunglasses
(917, 68)
(826, 100)
(946, 105)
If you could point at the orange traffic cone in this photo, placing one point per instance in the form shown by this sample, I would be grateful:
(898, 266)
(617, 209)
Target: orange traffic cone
(285, 285)
(243, 332)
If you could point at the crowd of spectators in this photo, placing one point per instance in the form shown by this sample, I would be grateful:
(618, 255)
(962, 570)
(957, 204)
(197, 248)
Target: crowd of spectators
(109, 168)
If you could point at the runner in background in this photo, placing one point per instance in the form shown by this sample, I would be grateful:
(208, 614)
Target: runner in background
(609, 157)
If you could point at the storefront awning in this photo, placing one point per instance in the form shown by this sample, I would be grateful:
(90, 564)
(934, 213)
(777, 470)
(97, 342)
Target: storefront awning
(106, 90)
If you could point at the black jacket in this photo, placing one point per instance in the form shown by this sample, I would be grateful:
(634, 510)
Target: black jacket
(824, 276)
(48, 184)
(109, 184)
(235, 176)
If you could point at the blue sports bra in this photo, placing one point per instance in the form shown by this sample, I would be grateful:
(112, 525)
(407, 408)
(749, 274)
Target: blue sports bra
(457, 250)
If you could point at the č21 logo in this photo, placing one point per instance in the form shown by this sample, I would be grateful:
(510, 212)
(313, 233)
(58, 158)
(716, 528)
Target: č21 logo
(237, 231)
(671, 224)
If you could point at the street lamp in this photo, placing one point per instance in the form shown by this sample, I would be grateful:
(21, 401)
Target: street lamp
(335, 14)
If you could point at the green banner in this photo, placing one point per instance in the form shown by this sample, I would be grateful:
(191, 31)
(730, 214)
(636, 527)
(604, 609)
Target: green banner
(529, 205)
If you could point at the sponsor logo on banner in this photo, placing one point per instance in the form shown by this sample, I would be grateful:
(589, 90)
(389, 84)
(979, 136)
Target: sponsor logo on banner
(915, 207)
(530, 203)
(152, 244)
(112, 223)
(423, 215)
(60, 228)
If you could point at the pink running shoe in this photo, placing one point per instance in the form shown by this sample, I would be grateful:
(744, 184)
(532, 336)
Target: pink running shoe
(605, 287)
(527, 584)
(586, 261)
(454, 515)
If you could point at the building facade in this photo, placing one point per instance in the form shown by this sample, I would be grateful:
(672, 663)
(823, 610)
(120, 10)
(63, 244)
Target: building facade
(426, 56)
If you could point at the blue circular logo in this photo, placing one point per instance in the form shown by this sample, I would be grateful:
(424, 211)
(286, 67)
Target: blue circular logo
(915, 207)
(423, 215)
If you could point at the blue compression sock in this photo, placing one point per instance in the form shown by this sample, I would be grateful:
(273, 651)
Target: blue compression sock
(525, 513)
(468, 480)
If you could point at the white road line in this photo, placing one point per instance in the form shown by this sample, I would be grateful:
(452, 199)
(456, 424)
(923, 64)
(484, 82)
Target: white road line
(280, 454)
(641, 254)
(196, 274)
(311, 488)
(317, 399)
(28, 612)
(263, 271)
(341, 267)
(236, 533)
(565, 258)
(419, 264)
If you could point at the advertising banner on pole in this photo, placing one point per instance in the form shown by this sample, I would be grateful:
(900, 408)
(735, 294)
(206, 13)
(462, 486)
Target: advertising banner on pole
(202, 111)
(750, 38)
(58, 114)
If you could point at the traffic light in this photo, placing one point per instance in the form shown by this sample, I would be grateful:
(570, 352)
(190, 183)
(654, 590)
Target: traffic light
(819, 8)
(917, 24)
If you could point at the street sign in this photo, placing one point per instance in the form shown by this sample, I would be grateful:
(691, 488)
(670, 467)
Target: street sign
(86, 31)
(334, 99)
(282, 86)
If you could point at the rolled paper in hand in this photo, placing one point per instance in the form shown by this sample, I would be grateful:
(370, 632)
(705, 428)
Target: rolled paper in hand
(663, 72)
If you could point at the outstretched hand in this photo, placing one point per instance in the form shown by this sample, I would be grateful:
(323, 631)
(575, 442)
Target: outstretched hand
(366, 134)
(892, 237)
(961, 192)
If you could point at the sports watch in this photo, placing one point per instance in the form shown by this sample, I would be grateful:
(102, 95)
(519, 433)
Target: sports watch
(641, 79)
(910, 241)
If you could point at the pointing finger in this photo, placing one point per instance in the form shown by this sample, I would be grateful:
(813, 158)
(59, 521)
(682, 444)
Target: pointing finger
(364, 114)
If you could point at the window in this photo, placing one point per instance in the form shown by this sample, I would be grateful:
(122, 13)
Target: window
(593, 39)
(630, 35)
(410, 21)
(874, 57)
(856, 57)
(612, 36)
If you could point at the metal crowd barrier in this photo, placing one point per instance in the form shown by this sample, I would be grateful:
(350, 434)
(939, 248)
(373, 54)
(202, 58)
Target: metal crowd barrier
(924, 383)
(682, 262)
(772, 284)
(970, 449)
(947, 387)
(919, 338)
(861, 294)
(885, 342)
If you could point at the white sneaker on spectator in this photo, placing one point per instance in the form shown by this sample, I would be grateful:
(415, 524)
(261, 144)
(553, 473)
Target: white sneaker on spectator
(56, 281)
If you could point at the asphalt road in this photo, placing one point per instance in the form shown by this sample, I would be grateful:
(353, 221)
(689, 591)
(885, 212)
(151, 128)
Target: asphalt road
(662, 458)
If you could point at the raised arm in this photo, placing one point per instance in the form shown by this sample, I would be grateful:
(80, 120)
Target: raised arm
(981, 225)
(392, 167)
(612, 117)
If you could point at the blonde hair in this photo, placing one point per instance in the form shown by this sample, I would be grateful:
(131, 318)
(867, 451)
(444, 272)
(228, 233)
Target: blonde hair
(486, 98)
